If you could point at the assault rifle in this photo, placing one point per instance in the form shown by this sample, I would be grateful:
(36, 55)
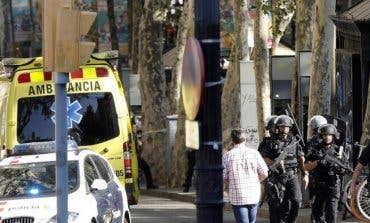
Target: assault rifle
(335, 161)
(331, 159)
(274, 168)
(282, 156)
(288, 112)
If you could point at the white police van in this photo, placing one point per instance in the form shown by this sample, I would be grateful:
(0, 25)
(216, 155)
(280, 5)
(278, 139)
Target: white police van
(28, 186)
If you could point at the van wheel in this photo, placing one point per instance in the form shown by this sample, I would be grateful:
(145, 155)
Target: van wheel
(93, 220)
(126, 221)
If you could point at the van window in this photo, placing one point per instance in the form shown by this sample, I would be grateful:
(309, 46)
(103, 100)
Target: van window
(93, 119)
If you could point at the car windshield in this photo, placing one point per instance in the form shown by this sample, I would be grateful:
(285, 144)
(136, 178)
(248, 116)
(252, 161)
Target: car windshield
(91, 118)
(33, 179)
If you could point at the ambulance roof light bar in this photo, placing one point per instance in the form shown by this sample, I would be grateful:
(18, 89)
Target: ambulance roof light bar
(11, 64)
(111, 57)
(112, 54)
(16, 61)
(35, 148)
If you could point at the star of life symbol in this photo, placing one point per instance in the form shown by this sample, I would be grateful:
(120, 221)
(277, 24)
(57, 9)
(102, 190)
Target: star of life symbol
(72, 112)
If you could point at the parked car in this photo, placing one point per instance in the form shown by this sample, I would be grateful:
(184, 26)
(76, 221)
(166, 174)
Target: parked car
(28, 186)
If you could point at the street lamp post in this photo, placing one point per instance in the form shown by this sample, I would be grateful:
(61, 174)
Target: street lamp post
(209, 186)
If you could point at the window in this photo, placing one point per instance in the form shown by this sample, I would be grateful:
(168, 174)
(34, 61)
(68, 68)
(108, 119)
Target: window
(91, 173)
(98, 124)
(103, 168)
(33, 179)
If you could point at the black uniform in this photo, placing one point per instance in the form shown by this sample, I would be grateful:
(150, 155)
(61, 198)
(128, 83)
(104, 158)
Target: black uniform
(190, 169)
(311, 143)
(265, 140)
(261, 147)
(325, 183)
(365, 156)
(284, 192)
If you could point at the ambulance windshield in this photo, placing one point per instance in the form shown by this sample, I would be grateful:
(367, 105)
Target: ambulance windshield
(33, 179)
(91, 118)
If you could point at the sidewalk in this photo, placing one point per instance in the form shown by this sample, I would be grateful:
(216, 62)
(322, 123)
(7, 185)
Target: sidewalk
(177, 194)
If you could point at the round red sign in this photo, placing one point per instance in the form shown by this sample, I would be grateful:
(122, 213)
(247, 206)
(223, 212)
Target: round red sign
(192, 81)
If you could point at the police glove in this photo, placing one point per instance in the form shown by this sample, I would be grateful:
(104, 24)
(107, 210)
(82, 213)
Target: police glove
(322, 162)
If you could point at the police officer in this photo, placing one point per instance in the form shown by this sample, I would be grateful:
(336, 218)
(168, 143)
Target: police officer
(325, 176)
(271, 125)
(270, 128)
(271, 131)
(284, 192)
(314, 123)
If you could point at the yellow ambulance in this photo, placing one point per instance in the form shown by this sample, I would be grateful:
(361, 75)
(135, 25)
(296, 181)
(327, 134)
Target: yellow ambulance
(97, 115)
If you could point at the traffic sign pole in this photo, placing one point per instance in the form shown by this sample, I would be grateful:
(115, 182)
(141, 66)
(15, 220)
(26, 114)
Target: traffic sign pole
(209, 186)
(61, 80)
(63, 52)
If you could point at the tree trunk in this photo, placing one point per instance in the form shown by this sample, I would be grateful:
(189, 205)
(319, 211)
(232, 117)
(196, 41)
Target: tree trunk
(244, 32)
(112, 25)
(136, 12)
(303, 41)
(6, 29)
(94, 28)
(261, 68)
(33, 31)
(2, 30)
(186, 21)
(365, 137)
(179, 160)
(322, 59)
(230, 100)
(155, 104)
(278, 32)
(113, 31)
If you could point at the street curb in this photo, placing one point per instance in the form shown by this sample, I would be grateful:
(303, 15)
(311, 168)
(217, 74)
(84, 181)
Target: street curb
(190, 198)
(263, 212)
(185, 197)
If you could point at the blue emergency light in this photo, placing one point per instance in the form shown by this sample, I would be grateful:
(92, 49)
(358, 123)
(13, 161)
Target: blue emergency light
(34, 148)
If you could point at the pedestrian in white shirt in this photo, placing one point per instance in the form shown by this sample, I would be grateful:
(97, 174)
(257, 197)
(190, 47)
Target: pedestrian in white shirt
(244, 169)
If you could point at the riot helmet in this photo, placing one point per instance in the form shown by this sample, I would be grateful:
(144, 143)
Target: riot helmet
(271, 122)
(328, 133)
(284, 120)
(316, 121)
(328, 129)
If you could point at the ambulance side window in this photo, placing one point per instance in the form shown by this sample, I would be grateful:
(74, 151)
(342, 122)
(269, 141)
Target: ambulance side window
(90, 172)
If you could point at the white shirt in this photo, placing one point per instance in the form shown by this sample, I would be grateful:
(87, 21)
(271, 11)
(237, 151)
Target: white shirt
(243, 170)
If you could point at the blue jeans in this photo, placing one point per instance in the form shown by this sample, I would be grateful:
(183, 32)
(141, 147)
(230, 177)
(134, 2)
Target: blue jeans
(245, 213)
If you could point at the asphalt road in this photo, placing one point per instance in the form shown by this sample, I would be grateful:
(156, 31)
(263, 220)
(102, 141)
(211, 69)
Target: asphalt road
(154, 209)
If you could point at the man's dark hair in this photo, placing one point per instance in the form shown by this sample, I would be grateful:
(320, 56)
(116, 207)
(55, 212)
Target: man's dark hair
(238, 135)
